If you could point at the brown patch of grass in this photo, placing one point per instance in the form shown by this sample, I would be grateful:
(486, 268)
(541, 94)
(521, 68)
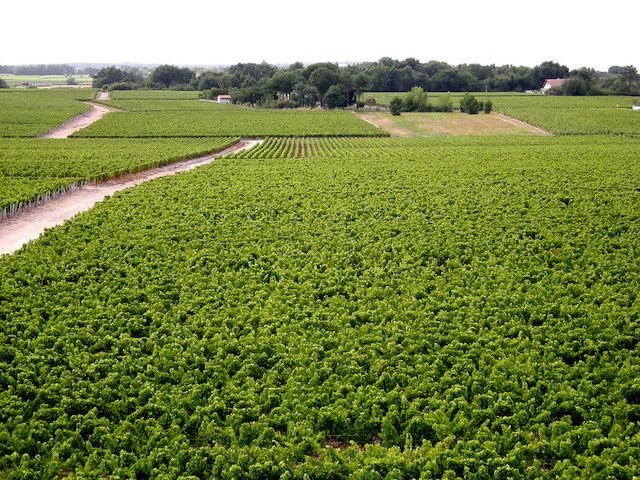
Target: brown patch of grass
(448, 124)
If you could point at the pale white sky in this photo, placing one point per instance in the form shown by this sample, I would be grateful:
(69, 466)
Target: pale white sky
(198, 32)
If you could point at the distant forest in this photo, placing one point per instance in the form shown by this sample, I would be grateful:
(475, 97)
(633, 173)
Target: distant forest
(264, 84)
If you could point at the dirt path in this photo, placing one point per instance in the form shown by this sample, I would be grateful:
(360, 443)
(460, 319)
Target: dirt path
(95, 113)
(30, 224)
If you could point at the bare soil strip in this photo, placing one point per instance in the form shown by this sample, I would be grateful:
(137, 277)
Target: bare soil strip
(30, 224)
(79, 121)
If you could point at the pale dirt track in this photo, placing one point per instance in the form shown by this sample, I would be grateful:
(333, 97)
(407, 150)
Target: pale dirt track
(95, 113)
(30, 224)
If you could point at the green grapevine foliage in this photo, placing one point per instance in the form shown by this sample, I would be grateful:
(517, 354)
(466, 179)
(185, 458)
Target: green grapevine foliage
(400, 310)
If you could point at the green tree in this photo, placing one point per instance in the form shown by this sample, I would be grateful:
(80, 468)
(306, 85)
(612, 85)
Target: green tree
(336, 97)
(629, 77)
(305, 95)
(166, 76)
(255, 71)
(395, 106)
(546, 70)
(322, 78)
(284, 83)
(3, 84)
(416, 100)
(209, 80)
(108, 75)
(575, 86)
(361, 83)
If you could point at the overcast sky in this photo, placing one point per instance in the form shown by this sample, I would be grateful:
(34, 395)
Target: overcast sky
(575, 33)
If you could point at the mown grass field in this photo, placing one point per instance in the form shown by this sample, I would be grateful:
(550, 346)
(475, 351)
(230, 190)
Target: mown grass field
(18, 80)
(437, 124)
(460, 307)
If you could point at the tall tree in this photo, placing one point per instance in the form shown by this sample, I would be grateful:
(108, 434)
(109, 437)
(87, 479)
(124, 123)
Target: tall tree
(108, 75)
(166, 76)
(546, 70)
(336, 97)
(629, 76)
(322, 78)
(284, 83)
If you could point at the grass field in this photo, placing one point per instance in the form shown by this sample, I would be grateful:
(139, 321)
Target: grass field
(446, 124)
(19, 80)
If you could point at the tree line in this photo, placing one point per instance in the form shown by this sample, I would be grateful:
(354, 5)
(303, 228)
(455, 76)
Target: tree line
(331, 85)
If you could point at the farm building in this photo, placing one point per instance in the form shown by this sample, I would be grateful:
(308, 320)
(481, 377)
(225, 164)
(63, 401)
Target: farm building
(549, 83)
(224, 98)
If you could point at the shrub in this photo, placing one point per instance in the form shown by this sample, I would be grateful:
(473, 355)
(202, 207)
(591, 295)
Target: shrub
(395, 105)
(488, 106)
(445, 104)
(121, 86)
(370, 101)
(416, 100)
(469, 104)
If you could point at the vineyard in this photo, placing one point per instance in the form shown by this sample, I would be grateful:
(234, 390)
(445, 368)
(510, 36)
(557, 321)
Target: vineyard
(574, 115)
(32, 169)
(27, 113)
(327, 307)
(214, 120)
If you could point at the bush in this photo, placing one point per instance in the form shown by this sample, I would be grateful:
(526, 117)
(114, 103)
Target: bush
(370, 101)
(488, 106)
(286, 104)
(121, 86)
(395, 105)
(469, 104)
(212, 93)
(416, 101)
(445, 104)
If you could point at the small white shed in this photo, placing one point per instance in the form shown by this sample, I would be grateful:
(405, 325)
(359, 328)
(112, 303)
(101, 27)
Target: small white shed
(224, 99)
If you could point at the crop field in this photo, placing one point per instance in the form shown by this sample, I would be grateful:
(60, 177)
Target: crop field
(153, 95)
(163, 105)
(473, 149)
(172, 119)
(32, 169)
(50, 165)
(27, 113)
(329, 308)
(574, 115)
(353, 316)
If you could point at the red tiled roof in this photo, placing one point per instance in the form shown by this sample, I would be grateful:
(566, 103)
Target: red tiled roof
(554, 82)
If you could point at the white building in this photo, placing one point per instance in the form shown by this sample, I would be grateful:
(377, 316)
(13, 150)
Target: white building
(224, 99)
(549, 83)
